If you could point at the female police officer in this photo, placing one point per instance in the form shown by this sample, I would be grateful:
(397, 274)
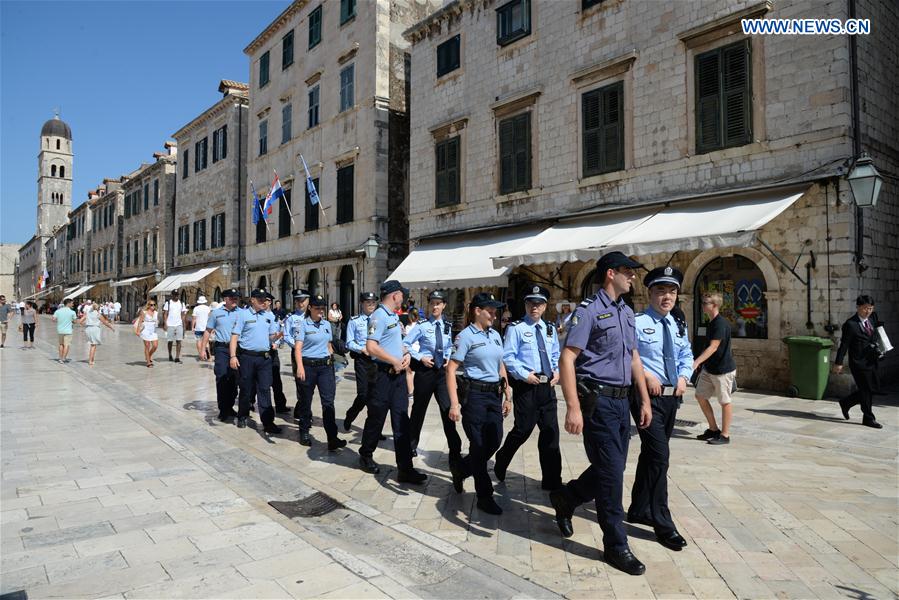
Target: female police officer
(478, 352)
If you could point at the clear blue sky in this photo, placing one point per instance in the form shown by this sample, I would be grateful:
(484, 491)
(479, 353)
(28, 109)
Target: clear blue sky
(125, 75)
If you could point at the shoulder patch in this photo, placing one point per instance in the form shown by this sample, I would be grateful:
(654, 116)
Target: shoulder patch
(639, 314)
(574, 320)
(371, 328)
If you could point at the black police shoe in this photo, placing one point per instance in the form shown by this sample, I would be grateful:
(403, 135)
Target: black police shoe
(225, 417)
(241, 422)
(411, 476)
(638, 520)
(335, 444)
(458, 476)
(872, 423)
(272, 428)
(414, 452)
(305, 438)
(348, 421)
(382, 437)
(844, 409)
(489, 506)
(367, 464)
(499, 470)
(672, 540)
(624, 560)
(550, 485)
(564, 512)
(708, 434)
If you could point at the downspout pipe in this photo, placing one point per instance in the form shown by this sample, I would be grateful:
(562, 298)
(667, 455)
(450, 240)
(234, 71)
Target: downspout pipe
(856, 142)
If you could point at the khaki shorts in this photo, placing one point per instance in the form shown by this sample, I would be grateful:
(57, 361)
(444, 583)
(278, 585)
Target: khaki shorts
(3, 327)
(716, 386)
(65, 339)
(174, 333)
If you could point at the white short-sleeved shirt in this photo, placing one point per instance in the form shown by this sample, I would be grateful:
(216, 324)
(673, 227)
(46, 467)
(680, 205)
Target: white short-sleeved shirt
(201, 317)
(175, 309)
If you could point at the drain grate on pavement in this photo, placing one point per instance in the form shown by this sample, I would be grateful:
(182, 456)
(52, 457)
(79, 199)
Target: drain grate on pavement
(316, 505)
(685, 423)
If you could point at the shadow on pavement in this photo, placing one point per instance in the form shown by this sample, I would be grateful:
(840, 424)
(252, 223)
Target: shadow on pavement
(796, 414)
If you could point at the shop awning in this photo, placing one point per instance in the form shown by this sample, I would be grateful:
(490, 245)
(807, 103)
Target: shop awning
(700, 224)
(462, 260)
(128, 281)
(178, 280)
(78, 292)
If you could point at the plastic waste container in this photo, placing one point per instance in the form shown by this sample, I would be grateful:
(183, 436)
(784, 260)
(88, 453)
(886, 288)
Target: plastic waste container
(809, 365)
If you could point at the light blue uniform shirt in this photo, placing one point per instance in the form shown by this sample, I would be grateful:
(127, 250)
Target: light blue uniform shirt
(221, 321)
(426, 336)
(314, 337)
(521, 352)
(480, 353)
(384, 328)
(650, 346)
(254, 329)
(357, 333)
(291, 322)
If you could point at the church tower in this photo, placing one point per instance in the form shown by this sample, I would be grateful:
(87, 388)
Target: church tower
(54, 179)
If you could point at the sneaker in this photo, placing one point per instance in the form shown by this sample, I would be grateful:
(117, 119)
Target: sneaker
(709, 434)
(720, 440)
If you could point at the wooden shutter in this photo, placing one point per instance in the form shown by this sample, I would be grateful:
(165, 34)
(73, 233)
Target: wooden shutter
(345, 194)
(312, 211)
(440, 174)
(590, 115)
(452, 171)
(506, 156)
(737, 105)
(708, 101)
(612, 148)
(522, 143)
(223, 142)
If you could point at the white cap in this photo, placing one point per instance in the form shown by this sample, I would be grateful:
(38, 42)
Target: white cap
(201, 300)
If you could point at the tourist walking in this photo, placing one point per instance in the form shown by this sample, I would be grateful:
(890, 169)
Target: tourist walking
(199, 318)
(858, 341)
(29, 324)
(719, 371)
(335, 318)
(64, 317)
(173, 322)
(92, 319)
(5, 309)
(145, 328)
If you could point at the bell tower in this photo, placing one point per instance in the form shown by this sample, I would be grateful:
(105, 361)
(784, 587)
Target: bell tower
(54, 176)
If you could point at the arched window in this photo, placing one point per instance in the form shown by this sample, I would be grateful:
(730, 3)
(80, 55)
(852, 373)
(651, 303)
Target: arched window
(589, 287)
(286, 291)
(742, 287)
(62, 171)
(312, 283)
(262, 282)
(52, 170)
(217, 294)
(347, 292)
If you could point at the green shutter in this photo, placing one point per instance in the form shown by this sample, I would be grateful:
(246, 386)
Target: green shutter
(523, 152)
(612, 128)
(506, 156)
(452, 171)
(708, 101)
(737, 107)
(590, 116)
(440, 174)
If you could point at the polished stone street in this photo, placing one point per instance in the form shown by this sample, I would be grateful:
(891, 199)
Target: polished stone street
(118, 481)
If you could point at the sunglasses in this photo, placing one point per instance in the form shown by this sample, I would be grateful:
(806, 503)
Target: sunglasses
(152, 306)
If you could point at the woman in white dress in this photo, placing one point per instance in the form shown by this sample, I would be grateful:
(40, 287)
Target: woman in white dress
(92, 319)
(145, 329)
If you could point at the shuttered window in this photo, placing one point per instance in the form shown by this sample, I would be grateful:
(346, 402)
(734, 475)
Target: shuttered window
(345, 194)
(447, 172)
(263, 137)
(515, 153)
(723, 98)
(513, 21)
(284, 215)
(263, 70)
(286, 123)
(347, 10)
(346, 88)
(602, 115)
(287, 50)
(312, 210)
(313, 107)
(315, 27)
(186, 168)
(448, 55)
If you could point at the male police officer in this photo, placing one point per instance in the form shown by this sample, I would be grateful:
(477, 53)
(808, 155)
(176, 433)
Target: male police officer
(313, 355)
(221, 324)
(356, 336)
(251, 352)
(434, 338)
(389, 391)
(277, 385)
(596, 368)
(300, 302)
(531, 356)
(667, 365)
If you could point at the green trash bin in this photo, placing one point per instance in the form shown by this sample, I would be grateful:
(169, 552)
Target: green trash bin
(809, 365)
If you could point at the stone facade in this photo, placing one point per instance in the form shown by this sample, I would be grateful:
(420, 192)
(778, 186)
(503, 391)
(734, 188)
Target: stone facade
(57, 259)
(801, 131)
(106, 206)
(363, 137)
(9, 257)
(211, 192)
(78, 245)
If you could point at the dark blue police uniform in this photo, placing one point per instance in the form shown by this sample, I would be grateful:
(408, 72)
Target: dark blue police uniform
(356, 336)
(278, 396)
(254, 331)
(220, 324)
(434, 338)
(533, 347)
(289, 324)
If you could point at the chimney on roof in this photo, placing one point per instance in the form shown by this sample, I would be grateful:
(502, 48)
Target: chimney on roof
(172, 148)
(228, 87)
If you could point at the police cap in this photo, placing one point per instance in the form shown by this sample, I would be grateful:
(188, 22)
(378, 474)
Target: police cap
(366, 296)
(392, 285)
(537, 293)
(437, 295)
(300, 294)
(318, 300)
(485, 300)
(231, 293)
(261, 293)
(659, 275)
(613, 260)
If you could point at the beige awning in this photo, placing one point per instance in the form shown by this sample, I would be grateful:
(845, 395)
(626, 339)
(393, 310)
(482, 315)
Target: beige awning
(184, 278)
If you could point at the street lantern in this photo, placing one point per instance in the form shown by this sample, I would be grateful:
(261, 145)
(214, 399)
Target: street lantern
(157, 276)
(370, 247)
(865, 181)
(226, 270)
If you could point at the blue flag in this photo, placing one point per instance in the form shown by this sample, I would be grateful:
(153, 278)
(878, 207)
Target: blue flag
(257, 206)
(310, 187)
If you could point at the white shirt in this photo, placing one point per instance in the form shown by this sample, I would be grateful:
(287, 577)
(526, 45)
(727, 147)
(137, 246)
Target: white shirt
(175, 309)
(201, 316)
(117, 306)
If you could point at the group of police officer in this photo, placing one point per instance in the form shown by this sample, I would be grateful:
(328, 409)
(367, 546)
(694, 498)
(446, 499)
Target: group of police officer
(614, 365)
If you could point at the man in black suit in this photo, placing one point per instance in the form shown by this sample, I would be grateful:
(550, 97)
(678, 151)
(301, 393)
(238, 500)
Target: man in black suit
(858, 340)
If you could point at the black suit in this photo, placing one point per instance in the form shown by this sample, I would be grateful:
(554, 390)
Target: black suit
(863, 357)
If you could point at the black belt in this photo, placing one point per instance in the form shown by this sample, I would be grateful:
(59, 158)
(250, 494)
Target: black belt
(384, 367)
(485, 386)
(604, 389)
(317, 362)
(220, 344)
(359, 356)
(264, 353)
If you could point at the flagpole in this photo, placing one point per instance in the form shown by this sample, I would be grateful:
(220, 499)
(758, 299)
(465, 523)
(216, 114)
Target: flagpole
(321, 205)
(284, 200)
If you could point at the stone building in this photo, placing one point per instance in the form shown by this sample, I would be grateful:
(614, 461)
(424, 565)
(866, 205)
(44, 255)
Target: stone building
(78, 250)
(9, 257)
(328, 81)
(57, 263)
(211, 177)
(107, 204)
(546, 133)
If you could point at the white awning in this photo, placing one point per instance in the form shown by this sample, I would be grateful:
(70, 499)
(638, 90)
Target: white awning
(720, 221)
(78, 292)
(177, 280)
(128, 281)
(462, 260)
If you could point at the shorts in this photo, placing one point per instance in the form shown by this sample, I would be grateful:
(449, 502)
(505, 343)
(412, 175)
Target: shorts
(3, 327)
(198, 334)
(65, 339)
(174, 334)
(720, 386)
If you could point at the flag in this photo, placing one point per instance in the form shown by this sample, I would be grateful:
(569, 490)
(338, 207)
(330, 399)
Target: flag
(310, 187)
(257, 206)
(44, 279)
(276, 193)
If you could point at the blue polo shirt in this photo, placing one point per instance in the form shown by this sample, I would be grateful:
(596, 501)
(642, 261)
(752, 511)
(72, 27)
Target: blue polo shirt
(521, 351)
(426, 336)
(384, 328)
(314, 336)
(480, 353)
(254, 329)
(290, 323)
(357, 333)
(651, 343)
(221, 321)
(603, 330)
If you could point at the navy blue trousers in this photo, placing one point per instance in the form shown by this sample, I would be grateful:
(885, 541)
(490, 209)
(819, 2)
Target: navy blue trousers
(388, 394)
(323, 378)
(482, 420)
(649, 496)
(432, 382)
(361, 369)
(225, 381)
(256, 379)
(535, 406)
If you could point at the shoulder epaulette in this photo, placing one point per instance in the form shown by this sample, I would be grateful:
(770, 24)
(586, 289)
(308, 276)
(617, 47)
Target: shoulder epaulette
(518, 322)
(588, 301)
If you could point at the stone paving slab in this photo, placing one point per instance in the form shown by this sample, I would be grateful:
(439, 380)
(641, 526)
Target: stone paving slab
(119, 482)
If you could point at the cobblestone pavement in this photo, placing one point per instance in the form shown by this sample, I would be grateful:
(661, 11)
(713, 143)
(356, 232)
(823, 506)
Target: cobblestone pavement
(117, 481)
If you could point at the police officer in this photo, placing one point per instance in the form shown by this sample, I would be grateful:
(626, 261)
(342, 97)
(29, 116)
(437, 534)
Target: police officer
(531, 356)
(434, 338)
(356, 336)
(300, 303)
(251, 352)
(478, 359)
(667, 366)
(313, 355)
(597, 366)
(388, 380)
(220, 324)
(277, 385)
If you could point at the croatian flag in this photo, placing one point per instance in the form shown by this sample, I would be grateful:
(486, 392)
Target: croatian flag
(257, 206)
(310, 187)
(277, 192)
(45, 279)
